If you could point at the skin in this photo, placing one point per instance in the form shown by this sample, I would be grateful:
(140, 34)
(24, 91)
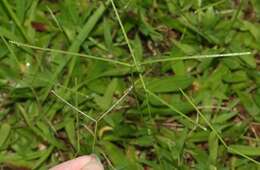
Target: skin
(80, 163)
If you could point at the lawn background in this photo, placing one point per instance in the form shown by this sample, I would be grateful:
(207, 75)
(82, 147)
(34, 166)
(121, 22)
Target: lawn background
(151, 84)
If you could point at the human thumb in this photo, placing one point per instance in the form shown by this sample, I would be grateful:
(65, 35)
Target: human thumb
(93, 164)
(90, 162)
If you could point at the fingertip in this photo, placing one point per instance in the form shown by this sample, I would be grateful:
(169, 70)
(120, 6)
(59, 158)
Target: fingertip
(93, 164)
(75, 164)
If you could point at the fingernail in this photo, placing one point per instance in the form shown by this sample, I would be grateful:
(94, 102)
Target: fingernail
(93, 164)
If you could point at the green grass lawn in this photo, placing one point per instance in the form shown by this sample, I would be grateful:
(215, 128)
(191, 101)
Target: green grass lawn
(143, 84)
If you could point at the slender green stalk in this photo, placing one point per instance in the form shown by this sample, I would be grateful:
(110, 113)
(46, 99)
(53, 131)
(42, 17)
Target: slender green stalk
(19, 44)
(73, 107)
(195, 57)
(95, 137)
(55, 19)
(137, 65)
(126, 38)
(77, 118)
(175, 110)
(214, 130)
(84, 114)
(60, 27)
(203, 117)
(210, 5)
(116, 103)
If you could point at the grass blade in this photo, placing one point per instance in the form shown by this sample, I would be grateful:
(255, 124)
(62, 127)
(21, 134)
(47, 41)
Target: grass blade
(14, 17)
(5, 132)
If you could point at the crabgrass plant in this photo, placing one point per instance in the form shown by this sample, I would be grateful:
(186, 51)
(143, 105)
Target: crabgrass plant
(144, 85)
